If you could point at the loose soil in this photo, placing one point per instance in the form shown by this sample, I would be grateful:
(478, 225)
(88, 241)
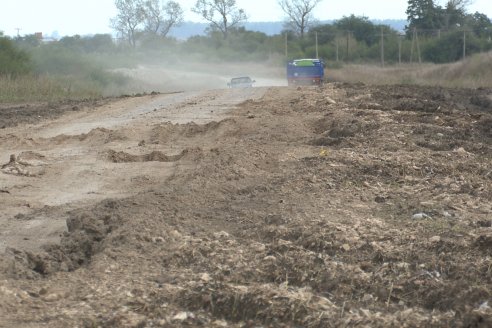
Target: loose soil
(335, 206)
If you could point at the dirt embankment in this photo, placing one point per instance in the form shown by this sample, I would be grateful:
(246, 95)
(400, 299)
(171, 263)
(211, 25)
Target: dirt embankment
(345, 205)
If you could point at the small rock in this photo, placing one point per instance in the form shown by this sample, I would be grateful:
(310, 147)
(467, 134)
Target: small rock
(484, 306)
(157, 240)
(181, 316)
(403, 265)
(484, 223)
(447, 214)
(221, 234)
(52, 297)
(175, 234)
(435, 239)
(346, 247)
(330, 101)
(419, 216)
(205, 277)
(380, 199)
(260, 247)
(220, 323)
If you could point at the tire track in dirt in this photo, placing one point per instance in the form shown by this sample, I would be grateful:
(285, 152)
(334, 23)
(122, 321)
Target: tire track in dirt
(99, 153)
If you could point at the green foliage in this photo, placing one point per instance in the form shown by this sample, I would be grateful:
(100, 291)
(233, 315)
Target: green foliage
(449, 47)
(361, 28)
(64, 60)
(480, 24)
(424, 15)
(240, 45)
(27, 42)
(427, 18)
(98, 43)
(327, 33)
(13, 61)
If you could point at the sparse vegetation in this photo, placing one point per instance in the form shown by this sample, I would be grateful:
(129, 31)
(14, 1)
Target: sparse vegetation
(13, 61)
(32, 88)
(471, 73)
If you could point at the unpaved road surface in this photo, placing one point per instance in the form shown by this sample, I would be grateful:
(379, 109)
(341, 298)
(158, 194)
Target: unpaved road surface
(345, 205)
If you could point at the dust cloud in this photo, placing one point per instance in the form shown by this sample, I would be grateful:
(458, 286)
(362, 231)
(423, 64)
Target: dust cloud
(197, 76)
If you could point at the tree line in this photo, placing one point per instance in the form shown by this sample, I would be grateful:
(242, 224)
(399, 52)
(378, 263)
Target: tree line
(151, 18)
(434, 33)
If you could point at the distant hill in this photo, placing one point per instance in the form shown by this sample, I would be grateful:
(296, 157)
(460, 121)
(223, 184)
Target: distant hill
(189, 29)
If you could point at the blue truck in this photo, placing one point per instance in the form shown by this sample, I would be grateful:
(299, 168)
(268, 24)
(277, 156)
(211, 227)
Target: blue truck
(305, 72)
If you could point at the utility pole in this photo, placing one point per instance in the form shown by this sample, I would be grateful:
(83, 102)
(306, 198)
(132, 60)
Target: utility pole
(348, 48)
(316, 34)
(418, 46)
(415, 40)
(413, 45)
(336, 38)
(382, 47)
(464, 44)
(18, 29)
(286, 47)
(399, 49)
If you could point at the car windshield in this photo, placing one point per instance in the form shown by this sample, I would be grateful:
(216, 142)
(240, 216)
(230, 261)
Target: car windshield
(241, 80)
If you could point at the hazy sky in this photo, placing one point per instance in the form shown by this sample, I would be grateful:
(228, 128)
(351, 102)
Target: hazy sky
(70, 17)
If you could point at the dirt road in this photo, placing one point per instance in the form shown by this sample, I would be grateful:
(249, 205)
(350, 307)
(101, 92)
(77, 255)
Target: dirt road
(346, 205)
(86, 157)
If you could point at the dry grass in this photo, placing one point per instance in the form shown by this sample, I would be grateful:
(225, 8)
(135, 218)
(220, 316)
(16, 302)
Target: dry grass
(474, 72)
(32, 88)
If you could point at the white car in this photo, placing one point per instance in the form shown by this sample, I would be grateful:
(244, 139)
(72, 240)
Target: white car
(241, 82)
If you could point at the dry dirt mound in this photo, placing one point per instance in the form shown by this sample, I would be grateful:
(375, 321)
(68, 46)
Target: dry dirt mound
(26, 164)
(344, 205)
(168, 132)
(155, 156)
(96, 136)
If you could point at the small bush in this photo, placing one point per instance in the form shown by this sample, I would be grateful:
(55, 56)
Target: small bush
(13, 62)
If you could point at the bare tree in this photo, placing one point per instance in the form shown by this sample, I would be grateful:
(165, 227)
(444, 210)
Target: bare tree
(221, 14)
(159, 17)
(299, 14)
(130, 16)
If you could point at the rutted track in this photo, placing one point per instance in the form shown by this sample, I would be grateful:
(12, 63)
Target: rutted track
(76, 159)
